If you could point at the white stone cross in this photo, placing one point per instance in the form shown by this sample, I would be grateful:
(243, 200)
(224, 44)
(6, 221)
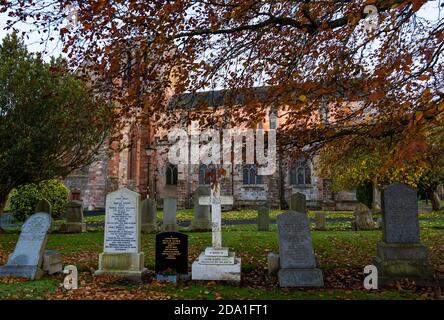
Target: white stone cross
(216, 200)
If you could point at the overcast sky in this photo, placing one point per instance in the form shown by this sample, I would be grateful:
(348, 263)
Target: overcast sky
(431, 11)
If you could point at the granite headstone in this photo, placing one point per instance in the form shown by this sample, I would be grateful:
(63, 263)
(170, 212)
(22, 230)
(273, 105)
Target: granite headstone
(74, 218)
(169, 215)
(202, 218)
(298, 202)
(320, 221)
(43, 206)
(400, 254)
(263, 219)
(297, 260)
(149, 216)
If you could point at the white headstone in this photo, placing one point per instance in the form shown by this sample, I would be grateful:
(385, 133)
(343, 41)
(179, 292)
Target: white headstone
(121, 249)
(27, 258)
(122, 224)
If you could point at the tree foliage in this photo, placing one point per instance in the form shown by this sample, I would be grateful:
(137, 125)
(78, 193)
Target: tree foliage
(350, 167)
(307, 52)
(25, 198)
(51, 122)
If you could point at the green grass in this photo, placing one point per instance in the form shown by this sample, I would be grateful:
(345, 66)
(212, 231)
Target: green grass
(187, 215)
(32, 290)
(339, 251)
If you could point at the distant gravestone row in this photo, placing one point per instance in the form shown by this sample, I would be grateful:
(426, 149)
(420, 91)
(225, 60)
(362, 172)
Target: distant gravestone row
(399, 255)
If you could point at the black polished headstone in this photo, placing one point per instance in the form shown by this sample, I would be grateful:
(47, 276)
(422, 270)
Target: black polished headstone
(171, 252)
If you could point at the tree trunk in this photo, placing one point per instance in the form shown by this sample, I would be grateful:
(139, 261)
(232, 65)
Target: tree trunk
(434, 198)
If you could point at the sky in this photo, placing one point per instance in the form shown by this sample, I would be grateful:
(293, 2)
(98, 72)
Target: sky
(430, 11)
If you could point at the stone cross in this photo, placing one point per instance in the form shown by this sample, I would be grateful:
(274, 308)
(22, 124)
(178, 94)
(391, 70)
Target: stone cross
(215, 200)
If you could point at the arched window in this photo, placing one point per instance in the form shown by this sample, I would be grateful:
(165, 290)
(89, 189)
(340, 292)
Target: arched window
(171, 174)
(204, 174)
(300, 173)
(250, 175)
(132, 155)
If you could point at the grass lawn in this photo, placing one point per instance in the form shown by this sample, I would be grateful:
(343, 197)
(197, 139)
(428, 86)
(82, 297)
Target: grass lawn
(342, 255)
(187, 215)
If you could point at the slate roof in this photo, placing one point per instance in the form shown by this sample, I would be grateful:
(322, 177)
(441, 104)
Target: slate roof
(217, 98)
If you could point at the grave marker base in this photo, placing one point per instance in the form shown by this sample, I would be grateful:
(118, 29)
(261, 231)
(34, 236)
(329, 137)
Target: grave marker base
(217, 272)
(127, 265)
(30, 272)
(149, 228)
(200, 225)
(73, 227)
(294, 278)
(403, 261)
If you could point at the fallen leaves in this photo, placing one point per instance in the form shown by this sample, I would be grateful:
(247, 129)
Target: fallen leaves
(108, 288)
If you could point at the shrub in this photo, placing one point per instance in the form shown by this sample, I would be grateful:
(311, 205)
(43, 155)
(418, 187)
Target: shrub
(364, 193)
(25, 198)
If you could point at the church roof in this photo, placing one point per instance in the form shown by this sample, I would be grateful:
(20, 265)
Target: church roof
(217, 98)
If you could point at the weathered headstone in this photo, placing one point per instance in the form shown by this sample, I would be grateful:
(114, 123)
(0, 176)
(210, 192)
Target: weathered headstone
(74, 218)
(76, 195)
(202, 217)
(171, 255)
(169, 215)
(363, 218)
(273, 263)
(217, 262)
(320, 221)
(379, 222)
(400, 254)
(297, 260)
(122, 254)
(27, 259)
(149, 216)
(263, 219)
(43, 206)
(52, 262)
(298, 202)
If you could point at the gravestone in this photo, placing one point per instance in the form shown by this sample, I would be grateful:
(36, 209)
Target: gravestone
(273, 263)
(363, 218)
(169, 215)
(379, 222)
(43, 206)
(122, 254)
(297, 260)
(202, 218)
(400, 254)
(74, 218)
(263, 219)
(149, 216)
(320, 221)
(171, 255)
(217, 262)
(298, 202)
(27, 259)
(76, 195)
(52, 262)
